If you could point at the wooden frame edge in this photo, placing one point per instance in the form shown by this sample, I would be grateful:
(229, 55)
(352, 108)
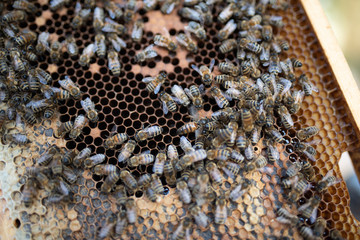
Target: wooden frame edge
(335, 58)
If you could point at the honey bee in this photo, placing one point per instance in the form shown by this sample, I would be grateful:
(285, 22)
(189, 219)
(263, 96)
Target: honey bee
(284, 44)
(186, 145)
(328, 180)
(144, 158)
(90, 110)
(168, 102)
(114, 10)
(29, 117)
(307, 132)
(227, 12)
(69, 175)
(158, 167)
(42, 42)
(297, 99)
(274, 65)
(195, 94)
(108, 228)
(306, 232)
(319, 228)
(94, 160)
(43, 76)
(14, 16)
(116, 42)
(47, 156)
(227, 30)
(264, 55)
(188, 159)
(16, 60)
(137, 31)
(57, 4)
(115, 139)
(187, 128)
(308, 150)
(70, 86)
(196, 29)
(286, 217)
(285, 117)
(237, 156)
(249, 150)
(63, 128)
(296, 63)
(228, 45)
(165, 41)
(240, 189)
(16, 138)
(111, 26)
(184, 39)
(156, 184)
(3, 64)
(110, 181)
(308, 170)
(191, 14)
(81, 15)
(293, 170)
(104, 169)
(55, 52)
(298, 188)
(205, 72)
(29, 192)
(126, 151)
(155, 83)
(200, 218)
(113, 62)
(221, 210)
(83, 154)
(218, 154)
(150, 4)
(241, 139)
(336, 235)
(147, 133)
(56, 166)
(250, 46)
(79, 124)
(38, 105)
(228, 67)
(120, 194)
(130, 10)
(168, 6)
(42, 179)
(121, 224)
(172, 153)
(267, 33)
(183, 230)
(180, 95)
(147, 53)
(258, 163)
(71, 46)
(214, 173)
(98, 18)
(306, 85)
(144, 180)
(206, 12)
(275, 135)
(87, 54)
(184, 192)
(169, 173)
(220, 97)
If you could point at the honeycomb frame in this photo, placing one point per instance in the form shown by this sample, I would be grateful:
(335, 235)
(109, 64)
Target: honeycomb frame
(121, 101)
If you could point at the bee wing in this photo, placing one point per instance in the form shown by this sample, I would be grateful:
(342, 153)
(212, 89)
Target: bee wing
(157, 89)
(202, 89)
(314, 142)
(177, 100)
(196, 69)
(309, 156)
(228, 172)
(181, 41)
(187, 91)
(313, 216)
(151, 54)
(149, 48)
(219, 102)
(289, 63)
(77, 7)
(194, 113)
(148, 79)
(108, 20)
(212, 63)
(44, 37)
(165, 108)
(170, 8)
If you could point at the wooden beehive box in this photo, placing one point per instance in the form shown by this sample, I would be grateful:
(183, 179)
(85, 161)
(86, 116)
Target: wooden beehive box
(126, 103)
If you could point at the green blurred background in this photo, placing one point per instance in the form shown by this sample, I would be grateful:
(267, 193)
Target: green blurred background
(344, 18)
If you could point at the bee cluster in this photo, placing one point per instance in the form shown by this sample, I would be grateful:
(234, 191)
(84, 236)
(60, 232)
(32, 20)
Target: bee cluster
(257, 96)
